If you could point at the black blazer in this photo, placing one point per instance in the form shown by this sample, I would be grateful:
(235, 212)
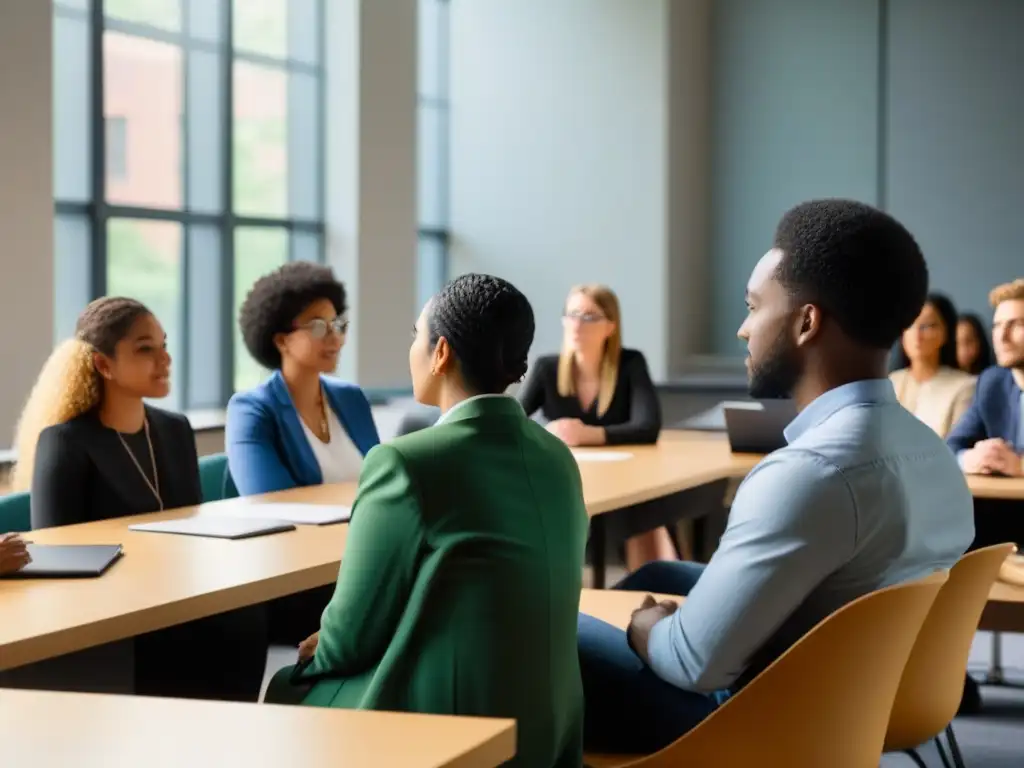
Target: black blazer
(633, 417)
(84, 473)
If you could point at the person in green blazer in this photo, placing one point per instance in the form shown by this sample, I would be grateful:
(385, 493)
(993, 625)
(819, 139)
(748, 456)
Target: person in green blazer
(460, 583)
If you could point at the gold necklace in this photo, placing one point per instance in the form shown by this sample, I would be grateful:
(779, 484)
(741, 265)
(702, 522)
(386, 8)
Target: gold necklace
(325, 430)
(152, 458)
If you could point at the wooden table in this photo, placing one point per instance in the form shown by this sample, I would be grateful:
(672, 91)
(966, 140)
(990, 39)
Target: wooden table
(95, 731)
(165, 580)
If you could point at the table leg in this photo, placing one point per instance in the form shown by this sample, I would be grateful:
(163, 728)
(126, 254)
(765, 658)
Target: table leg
(598, 550)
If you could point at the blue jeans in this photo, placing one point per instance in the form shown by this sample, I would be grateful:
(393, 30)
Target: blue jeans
(629, 709)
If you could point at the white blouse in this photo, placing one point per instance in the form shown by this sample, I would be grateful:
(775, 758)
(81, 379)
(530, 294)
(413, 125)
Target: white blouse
(340, 461)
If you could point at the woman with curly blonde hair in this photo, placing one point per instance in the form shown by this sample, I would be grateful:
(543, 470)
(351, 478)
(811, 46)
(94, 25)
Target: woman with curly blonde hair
(91, 449)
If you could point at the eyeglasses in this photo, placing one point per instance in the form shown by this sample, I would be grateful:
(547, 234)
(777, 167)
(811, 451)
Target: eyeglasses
(584, 317)
(318, 327)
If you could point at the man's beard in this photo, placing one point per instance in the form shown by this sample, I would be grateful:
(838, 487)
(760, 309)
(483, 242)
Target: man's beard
(776, 376)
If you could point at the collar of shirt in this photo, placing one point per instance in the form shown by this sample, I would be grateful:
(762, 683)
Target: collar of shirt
(447, 414)
(855, 393)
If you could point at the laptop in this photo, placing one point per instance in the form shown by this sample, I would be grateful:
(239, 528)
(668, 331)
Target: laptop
(59, 561)
(211, 526)
(757, 426)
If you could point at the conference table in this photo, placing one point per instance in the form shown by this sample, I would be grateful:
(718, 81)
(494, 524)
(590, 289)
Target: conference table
(164, 580)
(97, 730)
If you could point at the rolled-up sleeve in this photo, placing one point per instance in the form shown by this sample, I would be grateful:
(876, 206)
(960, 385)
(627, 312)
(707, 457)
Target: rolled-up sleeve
(792, 523)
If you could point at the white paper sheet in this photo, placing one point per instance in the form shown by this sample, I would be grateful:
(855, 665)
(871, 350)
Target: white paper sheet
(299, 514)
(602, 455)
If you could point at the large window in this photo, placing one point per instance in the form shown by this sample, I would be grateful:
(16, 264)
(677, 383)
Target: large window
(432, 150)
(188, 152)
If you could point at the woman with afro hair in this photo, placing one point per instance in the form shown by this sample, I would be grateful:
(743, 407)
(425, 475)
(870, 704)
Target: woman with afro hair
(301, 426)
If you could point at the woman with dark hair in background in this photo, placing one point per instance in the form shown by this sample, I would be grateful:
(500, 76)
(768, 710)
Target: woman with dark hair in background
(459, 589)
(927, 379)
(973, 350)
(91, 449)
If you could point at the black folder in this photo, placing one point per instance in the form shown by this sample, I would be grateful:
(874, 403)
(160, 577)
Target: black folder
(68, 561)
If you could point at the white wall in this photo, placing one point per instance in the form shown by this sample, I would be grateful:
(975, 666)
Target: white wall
(26, 202)
(560, 155)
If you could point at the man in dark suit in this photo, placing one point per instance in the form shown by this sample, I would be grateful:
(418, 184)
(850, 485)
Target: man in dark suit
(989, 439)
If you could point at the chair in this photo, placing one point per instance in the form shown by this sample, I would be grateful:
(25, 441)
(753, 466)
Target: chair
(933, 681)
(825, 702)
(15, 513)
(215, 478)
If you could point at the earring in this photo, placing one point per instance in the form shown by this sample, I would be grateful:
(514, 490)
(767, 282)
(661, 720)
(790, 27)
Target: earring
(433, 371)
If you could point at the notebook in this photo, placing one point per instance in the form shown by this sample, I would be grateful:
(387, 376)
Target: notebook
(59, 561)
(300, 514)
(212, 526)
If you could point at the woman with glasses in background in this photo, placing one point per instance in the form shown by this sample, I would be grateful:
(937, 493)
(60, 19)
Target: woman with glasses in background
(301, 426)
(927, 379)
(597, 393)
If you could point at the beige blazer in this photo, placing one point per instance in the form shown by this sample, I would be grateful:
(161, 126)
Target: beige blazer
(938, 402)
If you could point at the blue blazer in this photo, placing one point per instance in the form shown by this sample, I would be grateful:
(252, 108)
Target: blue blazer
(994, 412)
(266, 446)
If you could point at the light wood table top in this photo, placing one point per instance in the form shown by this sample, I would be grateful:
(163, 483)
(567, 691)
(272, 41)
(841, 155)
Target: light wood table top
(164, 579)
(616, 606)
(95, 731)
(702, 446)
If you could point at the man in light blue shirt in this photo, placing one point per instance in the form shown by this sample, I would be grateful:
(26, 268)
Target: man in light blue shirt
(863, 496)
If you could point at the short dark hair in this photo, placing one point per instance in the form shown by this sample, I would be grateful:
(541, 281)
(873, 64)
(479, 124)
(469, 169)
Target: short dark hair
(984, 358)
(860, 265)
(276, 299)
(947, 355)
(489, 324)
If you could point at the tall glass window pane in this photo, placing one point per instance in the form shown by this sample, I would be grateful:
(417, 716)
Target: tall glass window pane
(72, 129)
(432, 27)
(432, 161)
(261, 26)
(206, 20)
(165, 14)
(306, 246)
(144, 263)
(431, 269)
(72, 271)
(260, 140)
(304, 31)
(204, 126)
(142, 92)
(304, 162)
(206, 297)
(258, 250)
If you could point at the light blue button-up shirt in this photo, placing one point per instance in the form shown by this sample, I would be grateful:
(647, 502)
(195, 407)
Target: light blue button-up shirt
(863, 496)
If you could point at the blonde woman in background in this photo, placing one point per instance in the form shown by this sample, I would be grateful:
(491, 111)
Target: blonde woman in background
(597, 393)
(928, 381)
(91, 449)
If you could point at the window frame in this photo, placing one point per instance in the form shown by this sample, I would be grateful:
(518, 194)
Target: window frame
(98, 212)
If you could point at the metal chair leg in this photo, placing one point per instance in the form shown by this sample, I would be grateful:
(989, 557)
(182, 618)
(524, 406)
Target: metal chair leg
(995, 667)
(942, 753)
(954, 748)
(918, 760)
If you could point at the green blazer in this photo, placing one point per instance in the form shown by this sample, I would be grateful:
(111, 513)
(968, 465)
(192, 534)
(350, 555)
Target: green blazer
(460, 584)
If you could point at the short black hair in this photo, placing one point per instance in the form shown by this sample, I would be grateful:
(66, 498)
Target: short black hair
(277, 298)
(489, 324)
(857, 263)
(947, 355)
